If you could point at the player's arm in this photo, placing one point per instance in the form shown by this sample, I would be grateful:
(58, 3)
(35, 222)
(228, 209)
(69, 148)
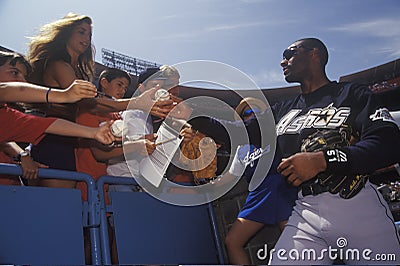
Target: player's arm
(376, 150)
(379, 144)
(30, 93)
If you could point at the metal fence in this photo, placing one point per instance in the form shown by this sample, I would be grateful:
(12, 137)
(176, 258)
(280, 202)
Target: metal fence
(45, 225)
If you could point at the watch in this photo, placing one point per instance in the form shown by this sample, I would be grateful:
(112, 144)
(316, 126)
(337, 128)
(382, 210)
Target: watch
(18, 157)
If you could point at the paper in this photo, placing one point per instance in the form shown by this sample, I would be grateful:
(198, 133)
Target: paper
(155, 165)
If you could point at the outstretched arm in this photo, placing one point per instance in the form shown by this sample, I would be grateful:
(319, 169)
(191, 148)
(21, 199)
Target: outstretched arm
(30, 93)
(66, 128)
(144, 102)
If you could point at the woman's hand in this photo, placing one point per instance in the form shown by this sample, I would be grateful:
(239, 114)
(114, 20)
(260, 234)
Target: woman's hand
(80, 89)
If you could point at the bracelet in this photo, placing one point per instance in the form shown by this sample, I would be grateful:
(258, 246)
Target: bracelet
(18, 157)
(47, 95)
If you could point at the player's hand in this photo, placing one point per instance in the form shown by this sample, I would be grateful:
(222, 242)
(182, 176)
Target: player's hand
(301, 167)
(78, 90)
(30, 168)
(103, 134)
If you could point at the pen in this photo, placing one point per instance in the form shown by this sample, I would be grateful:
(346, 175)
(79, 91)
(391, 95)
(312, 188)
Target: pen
(165, 141)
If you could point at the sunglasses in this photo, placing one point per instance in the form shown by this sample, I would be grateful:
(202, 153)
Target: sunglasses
(289, 53)
(249, 112)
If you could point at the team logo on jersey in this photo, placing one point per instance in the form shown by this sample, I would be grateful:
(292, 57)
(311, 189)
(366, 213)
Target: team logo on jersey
(248, 154)
(382, 114)
(328, 117)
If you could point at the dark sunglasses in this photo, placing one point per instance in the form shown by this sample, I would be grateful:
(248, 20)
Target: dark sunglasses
(289, 53)
(249, 112)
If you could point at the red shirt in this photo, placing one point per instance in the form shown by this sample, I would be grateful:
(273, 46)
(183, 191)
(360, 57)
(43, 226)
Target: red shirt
(20, 127)
(85, 161)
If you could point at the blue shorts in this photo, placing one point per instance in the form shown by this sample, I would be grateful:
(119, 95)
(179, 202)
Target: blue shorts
(271, 202)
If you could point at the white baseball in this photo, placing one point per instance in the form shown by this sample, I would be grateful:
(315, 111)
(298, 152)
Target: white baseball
(162, 95)
(117, 128)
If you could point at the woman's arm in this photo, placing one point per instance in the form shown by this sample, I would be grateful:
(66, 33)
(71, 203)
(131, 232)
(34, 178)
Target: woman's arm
(30, 93)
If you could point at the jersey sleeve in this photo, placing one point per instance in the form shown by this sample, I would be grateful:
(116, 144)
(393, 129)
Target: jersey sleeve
(379, 138)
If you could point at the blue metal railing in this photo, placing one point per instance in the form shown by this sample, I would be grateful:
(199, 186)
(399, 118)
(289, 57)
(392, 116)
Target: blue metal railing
(93, 201)
(112, 180)
(106, 256)
(97, 209)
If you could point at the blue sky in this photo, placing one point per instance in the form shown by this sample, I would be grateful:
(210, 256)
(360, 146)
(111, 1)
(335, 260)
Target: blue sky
(247, 34)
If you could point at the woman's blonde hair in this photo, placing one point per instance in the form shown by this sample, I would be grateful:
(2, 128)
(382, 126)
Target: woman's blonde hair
(51, 45)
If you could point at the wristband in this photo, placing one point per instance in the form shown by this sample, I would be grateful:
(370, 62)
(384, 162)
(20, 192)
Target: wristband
(237, 167)
(337, 160)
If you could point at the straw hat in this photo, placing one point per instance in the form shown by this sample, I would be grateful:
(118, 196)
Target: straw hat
(251, 102)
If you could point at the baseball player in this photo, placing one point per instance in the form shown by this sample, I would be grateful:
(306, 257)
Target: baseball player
(329, 138)
(339, 214)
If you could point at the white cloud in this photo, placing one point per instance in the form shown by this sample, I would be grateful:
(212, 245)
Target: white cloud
(235, 26)
(269, 78)
(387, 27)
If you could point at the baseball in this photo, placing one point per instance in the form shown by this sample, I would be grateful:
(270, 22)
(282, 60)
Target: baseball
(117, 128)
(162, 95)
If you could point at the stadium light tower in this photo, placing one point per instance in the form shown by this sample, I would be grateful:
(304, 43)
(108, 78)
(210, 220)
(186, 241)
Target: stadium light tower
(124, 62)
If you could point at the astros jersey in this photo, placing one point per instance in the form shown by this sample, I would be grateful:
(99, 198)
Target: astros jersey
(333, 106)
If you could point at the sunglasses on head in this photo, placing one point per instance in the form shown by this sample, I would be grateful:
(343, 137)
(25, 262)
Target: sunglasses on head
(289, 53)
(249, 112)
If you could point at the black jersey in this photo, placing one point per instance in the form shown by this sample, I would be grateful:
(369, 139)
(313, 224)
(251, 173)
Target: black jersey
(335, 105)
(376, 136)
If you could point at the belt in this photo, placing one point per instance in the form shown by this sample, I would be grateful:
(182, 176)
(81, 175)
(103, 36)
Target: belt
(313, 189)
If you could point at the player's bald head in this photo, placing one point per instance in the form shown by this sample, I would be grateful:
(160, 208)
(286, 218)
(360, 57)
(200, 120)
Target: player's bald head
(319, 45)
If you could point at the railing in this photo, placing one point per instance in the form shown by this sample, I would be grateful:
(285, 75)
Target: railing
(93, 215)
